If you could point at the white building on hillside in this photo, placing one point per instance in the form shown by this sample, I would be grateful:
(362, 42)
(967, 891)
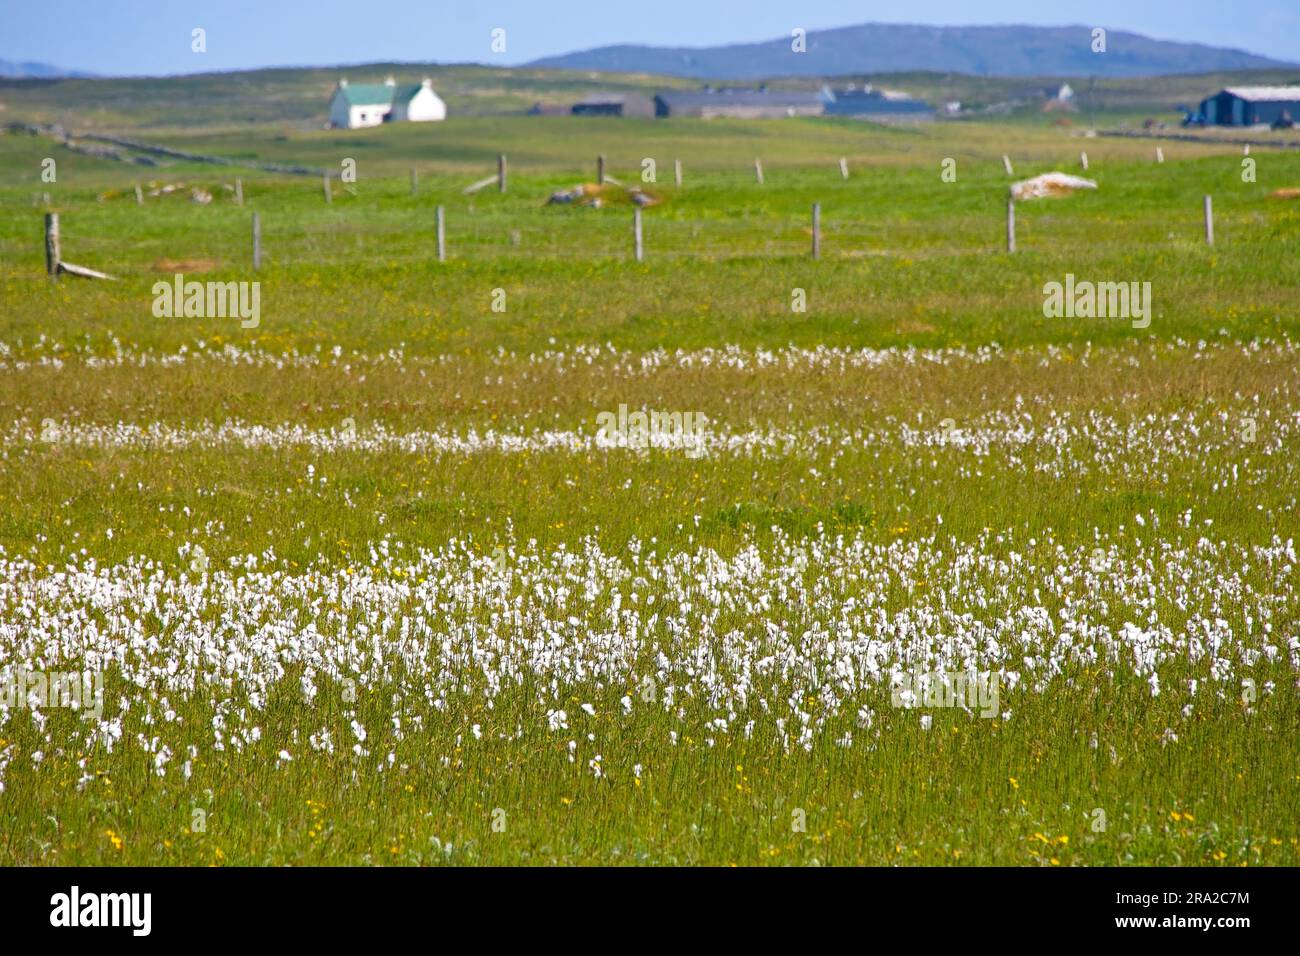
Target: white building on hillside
(369, 104)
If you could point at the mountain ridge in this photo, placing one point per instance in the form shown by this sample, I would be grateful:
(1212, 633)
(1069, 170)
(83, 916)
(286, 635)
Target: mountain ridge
(1010, 50)
(32, 70)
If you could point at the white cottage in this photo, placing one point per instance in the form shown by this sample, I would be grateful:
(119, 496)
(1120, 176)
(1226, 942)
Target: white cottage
(368, 104)
(418, 104)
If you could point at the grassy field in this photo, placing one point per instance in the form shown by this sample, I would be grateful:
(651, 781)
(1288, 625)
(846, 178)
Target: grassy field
(296, 98)
(367, 583)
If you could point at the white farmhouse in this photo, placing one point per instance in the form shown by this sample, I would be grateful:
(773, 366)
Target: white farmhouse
(369, 104)
(418, 104)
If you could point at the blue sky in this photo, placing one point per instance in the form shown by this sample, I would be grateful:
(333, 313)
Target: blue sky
(153, 36)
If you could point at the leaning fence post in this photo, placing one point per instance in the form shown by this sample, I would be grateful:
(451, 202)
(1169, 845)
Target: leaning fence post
(758, 171)
(844, 167)
(442, 236)
(1209, 221)
(636, 233)
(817, 231)
(257, 241)
(52, 254)
(677, 171)
(1006, 164)
(501, 173)
(1011, 225)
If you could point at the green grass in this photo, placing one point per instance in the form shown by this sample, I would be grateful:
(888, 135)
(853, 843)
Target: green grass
(293, 532)
(908, 258)
(291, 99)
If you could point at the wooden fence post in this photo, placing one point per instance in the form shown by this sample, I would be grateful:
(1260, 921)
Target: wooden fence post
(1011, 225)
(817, 231)
(415, 181)
(636, 233)
(844, 167)
(442, 236)
(257, 241)
(54, 264)
(758, 171)
(239, 191)
(600, 170)
(329, 196)
(52, 254)
(501, 173)
(139, 195)
(1083, 161)
(677, 171)
(1209, 221)
(1160, 155)
(1006, 164)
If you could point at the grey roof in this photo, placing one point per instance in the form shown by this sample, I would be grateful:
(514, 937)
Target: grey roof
(1265, 94)
(774, 98)
(603, 99)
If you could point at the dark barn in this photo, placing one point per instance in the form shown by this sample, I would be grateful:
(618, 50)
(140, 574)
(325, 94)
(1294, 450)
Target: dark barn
(1252, 106)
(615, 104)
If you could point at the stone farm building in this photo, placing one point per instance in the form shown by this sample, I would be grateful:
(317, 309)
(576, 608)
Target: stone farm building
(1251, 106)
(369, 104)
(615, 104)
(742, 104)
(550, 109)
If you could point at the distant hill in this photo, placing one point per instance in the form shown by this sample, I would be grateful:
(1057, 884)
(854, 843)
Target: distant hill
(881, 48)
(37, 71)
(297, 99)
